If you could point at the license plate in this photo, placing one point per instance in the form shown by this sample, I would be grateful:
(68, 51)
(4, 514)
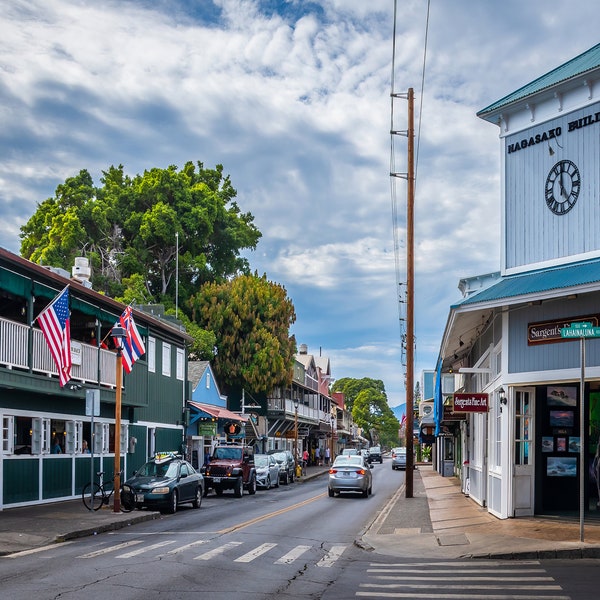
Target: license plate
(139, 498)
(216, 480)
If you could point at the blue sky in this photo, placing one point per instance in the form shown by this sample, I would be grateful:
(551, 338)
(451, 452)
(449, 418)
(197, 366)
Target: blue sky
(293, 99)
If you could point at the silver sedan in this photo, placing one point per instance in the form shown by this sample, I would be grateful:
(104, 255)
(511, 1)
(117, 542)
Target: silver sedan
(267, 471)
(350, 474)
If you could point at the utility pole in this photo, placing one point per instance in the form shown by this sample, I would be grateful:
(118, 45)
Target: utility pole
(410, 277)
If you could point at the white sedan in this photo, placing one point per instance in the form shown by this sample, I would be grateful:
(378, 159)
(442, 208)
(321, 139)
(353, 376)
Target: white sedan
(267, 471)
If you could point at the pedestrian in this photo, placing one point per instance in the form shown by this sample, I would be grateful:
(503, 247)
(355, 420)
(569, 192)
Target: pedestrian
(327, 456)
(318, 456)
(305, 459)
(56, 449)
(84, 447)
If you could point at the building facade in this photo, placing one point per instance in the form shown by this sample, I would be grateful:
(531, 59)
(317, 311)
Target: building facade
(538, 438)
(39, 416)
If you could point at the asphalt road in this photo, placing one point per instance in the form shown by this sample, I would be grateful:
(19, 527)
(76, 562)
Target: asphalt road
(290, 541)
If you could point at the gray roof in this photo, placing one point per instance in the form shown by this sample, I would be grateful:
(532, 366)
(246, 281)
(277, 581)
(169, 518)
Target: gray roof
(579, 65)
(196, 369)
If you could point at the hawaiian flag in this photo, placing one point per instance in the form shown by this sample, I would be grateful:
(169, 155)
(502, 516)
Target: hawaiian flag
(403, 422)
(132, 344)
(55, 325)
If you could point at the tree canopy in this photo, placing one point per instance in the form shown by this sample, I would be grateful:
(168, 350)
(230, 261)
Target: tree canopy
(367, 400)
(137, 230)
(251, 318)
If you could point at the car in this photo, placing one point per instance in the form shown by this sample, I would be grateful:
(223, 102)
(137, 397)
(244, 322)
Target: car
(375, 454)
(350, 474)
(398, 458)
(164, 483)
(267, 471)
(349, 452)
(287, 465)
(231, 467)
(366, 455)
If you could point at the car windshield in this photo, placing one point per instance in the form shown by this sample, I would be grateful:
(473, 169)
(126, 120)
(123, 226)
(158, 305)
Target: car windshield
(279, 456)
(375, 449)
(350, 452)
(260, 460)
(228, 453)
(152, 469)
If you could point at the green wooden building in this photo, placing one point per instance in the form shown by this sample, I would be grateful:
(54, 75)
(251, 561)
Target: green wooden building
(36, 412)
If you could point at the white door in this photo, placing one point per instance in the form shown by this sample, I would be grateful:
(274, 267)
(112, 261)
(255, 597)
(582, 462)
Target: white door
(524, 470)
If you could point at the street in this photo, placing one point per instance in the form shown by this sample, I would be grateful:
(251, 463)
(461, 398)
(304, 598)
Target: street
(292, 541)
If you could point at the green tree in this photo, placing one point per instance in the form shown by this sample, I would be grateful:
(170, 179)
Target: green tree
(145, 226)
(250, 317)
(367, 400)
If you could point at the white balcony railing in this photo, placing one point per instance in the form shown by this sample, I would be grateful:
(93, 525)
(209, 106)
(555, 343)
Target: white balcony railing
(13, 354)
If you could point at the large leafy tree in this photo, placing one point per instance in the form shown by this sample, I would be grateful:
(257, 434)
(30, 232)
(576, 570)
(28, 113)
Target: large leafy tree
(367, 400)
(250, 317)
(137, 230)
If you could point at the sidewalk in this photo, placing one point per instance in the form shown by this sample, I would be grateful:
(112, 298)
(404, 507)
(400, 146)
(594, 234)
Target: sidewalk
(437, 522)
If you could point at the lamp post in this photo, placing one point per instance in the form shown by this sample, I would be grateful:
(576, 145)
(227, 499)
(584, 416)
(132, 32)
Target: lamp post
(118, 333)
(296, 429)
(331, 450)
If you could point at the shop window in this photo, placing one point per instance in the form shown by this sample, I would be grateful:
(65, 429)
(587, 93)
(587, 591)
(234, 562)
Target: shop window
(180, 357)
(40, 436)
(74, 436)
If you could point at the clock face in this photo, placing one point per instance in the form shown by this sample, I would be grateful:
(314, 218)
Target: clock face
(562, 187)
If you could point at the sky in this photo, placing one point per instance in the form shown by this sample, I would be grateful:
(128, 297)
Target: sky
(292, 97)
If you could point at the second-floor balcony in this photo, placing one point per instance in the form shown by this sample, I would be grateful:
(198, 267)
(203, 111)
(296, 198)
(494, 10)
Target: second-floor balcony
(90, 363)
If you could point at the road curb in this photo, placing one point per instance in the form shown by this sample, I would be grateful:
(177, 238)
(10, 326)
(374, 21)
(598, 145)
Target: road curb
(112, 526)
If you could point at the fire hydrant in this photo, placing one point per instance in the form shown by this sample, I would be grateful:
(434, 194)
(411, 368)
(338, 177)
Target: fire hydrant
(298, 471)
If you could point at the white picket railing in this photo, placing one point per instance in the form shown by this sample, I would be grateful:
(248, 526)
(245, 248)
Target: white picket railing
(13, 354)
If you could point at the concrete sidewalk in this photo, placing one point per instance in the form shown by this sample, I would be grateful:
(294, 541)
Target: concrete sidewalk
(439, 521)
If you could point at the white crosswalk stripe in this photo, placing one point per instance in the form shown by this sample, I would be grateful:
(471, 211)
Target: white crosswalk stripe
(489, 580)
(329, 558)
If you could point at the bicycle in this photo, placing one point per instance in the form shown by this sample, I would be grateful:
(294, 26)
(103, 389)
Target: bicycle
(95, 495)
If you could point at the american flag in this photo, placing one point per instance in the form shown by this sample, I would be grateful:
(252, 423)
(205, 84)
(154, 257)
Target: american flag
(132, 344)
(55, 325)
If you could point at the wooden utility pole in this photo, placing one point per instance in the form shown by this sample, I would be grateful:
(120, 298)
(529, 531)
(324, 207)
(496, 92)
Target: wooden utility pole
(410, 277)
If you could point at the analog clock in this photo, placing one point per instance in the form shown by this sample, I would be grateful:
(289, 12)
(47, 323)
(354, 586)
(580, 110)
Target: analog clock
(562, 187)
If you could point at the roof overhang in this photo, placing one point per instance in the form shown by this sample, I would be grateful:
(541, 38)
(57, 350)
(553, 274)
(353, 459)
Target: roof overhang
(210, 410)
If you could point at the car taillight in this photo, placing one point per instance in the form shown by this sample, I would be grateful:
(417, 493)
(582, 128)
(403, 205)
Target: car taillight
(360, 471)
(332, 471)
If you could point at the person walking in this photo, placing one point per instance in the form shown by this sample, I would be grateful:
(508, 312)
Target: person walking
(327, 456)
(318, 456)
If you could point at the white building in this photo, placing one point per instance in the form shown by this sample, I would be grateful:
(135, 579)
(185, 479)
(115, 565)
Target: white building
(522, 456)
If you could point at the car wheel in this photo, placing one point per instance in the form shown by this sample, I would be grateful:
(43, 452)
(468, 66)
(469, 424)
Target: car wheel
(292, 477)
(286, 479)
(268, 483)
(252, 485)
(365, 493)
(173, 505)
(198, 498)
(331, 493)
(277, 481)
(238, 491)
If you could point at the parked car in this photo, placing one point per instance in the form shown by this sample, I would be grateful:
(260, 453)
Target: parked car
(267, 471)
(375, 454)
(287, 465)
(231, 467)
(398, 458)
(165, 482)
(350, 474)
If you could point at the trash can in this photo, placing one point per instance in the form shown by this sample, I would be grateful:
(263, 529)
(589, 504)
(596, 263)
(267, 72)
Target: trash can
(448, 468)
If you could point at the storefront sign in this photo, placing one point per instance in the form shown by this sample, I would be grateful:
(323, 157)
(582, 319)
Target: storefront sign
(548, 332)
(207, 429)
(470, 402)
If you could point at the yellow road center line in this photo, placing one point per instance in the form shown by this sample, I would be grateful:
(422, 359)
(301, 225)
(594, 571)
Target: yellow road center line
(270, 515)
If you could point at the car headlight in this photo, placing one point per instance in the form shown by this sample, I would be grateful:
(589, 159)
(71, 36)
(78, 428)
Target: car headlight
(161, 490)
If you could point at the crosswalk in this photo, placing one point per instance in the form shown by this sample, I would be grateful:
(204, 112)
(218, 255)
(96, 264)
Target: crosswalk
(206, 550)
(454, 580)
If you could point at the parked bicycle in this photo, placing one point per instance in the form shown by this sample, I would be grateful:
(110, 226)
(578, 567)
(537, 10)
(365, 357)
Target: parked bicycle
(95, 495)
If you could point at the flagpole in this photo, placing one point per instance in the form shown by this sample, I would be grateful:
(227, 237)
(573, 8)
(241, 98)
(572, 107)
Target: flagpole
(177, 276)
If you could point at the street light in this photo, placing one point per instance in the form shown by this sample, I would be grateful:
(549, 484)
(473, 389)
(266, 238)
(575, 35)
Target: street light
(296, 429)
(331, 452)
(118, 333)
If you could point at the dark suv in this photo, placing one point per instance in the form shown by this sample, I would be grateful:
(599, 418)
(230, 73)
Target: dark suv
(230, 468)
(375, 454)
(287, 465)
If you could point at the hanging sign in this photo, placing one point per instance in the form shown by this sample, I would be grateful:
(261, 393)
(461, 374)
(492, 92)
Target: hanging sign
(470, 402)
